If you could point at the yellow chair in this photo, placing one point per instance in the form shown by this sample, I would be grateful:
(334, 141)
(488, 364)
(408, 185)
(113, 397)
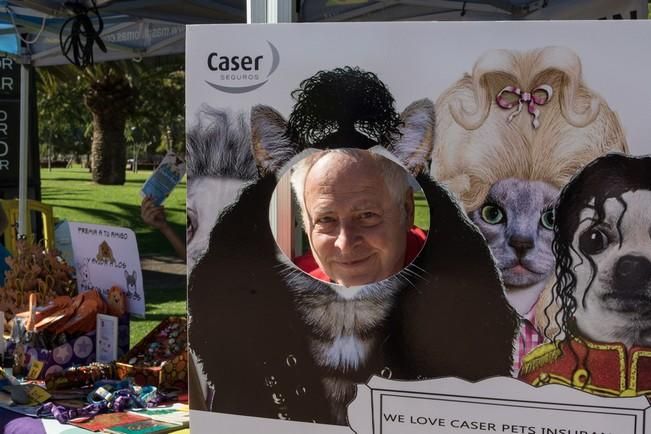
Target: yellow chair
(47, 218)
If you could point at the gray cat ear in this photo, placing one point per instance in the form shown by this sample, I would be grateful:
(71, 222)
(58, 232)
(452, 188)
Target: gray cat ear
(414, 147)
(271, 147)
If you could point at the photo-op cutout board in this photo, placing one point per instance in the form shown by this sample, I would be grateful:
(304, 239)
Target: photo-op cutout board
(524, 307)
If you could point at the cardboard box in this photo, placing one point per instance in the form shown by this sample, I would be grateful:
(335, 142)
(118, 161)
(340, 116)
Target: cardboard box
(170, 371)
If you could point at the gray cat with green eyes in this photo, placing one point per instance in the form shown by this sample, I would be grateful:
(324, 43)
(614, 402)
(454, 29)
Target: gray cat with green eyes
(517, 220)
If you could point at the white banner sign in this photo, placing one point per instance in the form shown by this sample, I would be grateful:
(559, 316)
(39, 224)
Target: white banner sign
(452, 405)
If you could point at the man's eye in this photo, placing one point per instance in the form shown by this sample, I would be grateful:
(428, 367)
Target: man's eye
(368, 215)
(593, 241)
(325, 220)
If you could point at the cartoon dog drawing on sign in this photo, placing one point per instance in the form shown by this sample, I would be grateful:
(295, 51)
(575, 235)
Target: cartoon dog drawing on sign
(105, 253)
(602, 243)
(273, 368)
(83, 276)
(132, 291)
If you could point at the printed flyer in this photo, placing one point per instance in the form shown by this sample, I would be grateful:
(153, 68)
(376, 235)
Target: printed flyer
(420, 227)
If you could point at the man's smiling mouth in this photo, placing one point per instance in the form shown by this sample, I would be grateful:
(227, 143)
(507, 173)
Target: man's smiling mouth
(353, 262)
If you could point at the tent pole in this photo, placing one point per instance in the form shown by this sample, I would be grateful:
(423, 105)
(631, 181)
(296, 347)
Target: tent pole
(25, 71)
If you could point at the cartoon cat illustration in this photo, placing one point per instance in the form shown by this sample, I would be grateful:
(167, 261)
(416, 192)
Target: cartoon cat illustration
(507, 165)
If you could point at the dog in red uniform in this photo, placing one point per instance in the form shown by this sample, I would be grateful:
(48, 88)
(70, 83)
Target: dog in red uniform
(603, 251)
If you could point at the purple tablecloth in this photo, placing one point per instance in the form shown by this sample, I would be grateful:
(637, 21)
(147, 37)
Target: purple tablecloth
(15, 423)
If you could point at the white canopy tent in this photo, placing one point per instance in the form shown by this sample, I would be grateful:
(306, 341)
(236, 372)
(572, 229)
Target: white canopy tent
(473, 10)
(29, 29)
(30, 33)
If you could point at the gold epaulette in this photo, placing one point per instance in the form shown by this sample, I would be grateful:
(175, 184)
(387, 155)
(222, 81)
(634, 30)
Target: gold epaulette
(539, 357)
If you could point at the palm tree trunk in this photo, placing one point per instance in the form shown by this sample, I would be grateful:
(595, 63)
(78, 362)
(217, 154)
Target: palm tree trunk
(109, 100)
(109, 150)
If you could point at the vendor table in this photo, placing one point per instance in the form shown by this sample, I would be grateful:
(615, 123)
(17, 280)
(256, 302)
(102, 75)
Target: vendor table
(16, 423)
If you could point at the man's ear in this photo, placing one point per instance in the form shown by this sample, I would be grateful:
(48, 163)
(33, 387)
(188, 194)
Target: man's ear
(270, 145)
(414, 147)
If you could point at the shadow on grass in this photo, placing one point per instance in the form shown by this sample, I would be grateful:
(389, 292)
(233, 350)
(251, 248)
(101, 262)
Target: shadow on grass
(157, 296)
(150, 241)
(90, 181)
(157, 317)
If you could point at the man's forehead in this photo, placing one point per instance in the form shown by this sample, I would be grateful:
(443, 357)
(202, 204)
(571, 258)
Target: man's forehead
(337, 170)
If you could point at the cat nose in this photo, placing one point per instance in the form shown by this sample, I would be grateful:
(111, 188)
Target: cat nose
(632, 273)
(521, 244)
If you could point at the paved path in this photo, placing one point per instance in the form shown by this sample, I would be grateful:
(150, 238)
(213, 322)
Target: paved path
(163, 272)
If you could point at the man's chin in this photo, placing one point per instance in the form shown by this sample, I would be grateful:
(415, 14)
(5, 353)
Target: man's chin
(356, 280)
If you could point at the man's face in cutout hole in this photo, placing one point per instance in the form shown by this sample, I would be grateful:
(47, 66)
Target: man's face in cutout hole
(357, 215)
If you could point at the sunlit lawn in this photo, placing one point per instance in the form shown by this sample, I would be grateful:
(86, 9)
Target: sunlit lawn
(421, 213)
(76, 198)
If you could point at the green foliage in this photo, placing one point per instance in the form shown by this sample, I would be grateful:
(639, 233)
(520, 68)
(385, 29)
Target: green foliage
(63, 120)
(155, 123)
(158, 123)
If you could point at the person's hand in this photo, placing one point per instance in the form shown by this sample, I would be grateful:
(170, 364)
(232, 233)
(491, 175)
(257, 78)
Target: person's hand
(153, 215)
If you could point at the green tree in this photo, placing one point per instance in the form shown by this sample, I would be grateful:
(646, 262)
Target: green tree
(141, 102)
(158, 120)
(110, 97)
(63, 121)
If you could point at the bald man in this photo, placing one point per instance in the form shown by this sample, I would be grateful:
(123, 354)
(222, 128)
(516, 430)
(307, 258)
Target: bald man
(358, 213)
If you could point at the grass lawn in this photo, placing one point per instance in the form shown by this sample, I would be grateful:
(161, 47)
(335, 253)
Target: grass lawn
(421, 213)
(76, 198)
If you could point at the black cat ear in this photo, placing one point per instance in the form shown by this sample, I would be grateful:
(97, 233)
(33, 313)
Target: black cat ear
(414, 147)
(271, 146)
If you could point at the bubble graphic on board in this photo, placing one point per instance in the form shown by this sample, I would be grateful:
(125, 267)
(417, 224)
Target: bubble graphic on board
(83, 347)
(54, 369)
(62, 354)
(33, 354)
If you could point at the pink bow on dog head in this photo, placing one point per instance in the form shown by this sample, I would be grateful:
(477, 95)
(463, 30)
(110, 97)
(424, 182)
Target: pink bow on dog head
(510, 96)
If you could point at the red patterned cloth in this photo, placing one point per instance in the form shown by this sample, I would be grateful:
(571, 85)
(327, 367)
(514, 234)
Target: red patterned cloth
(602, 369)
(528, 339)
(416, 238)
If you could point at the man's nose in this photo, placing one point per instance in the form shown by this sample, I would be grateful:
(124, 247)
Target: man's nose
(348, 237)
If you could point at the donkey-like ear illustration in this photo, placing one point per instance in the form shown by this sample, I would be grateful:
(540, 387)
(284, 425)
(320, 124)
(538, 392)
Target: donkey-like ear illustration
(270, 145)
(414, 147)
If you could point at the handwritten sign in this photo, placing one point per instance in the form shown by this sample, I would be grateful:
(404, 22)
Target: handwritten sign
(106, 256)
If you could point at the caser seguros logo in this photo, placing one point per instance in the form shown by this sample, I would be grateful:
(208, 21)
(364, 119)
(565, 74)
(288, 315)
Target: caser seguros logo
(242, 72)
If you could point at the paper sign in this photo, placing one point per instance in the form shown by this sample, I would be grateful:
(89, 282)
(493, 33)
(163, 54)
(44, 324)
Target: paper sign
(166, 176)
(35, 370)
(106, 256)
(107, 338)
(37, 394)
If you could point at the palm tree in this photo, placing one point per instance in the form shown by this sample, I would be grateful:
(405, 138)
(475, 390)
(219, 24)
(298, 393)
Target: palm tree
(110, 97)
(109, 93)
